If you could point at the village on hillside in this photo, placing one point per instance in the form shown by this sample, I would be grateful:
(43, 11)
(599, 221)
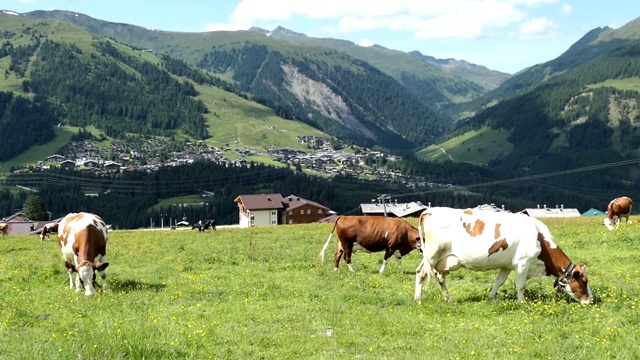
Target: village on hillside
(324, 157)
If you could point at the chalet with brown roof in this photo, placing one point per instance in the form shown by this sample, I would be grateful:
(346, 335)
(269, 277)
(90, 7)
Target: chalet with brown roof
(302, 211)
(273, 209)
(259, 210)
(19, 224)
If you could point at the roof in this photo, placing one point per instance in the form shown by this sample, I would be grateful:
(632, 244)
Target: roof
(546, 212)
(594, 212)
(399, 210)
(261, 202)
(292, 202)
(21, 225)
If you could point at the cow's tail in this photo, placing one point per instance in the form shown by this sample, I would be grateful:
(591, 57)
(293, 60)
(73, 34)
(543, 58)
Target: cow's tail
(326, 245)
(425, 266)
(421, 231)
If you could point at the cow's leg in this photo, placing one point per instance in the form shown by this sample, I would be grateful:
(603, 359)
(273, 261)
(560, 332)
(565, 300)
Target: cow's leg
(347, 256)
(400, 264)
(339, 253)
(387, 254)
(521, 280)
(441, 277)
(503, 274)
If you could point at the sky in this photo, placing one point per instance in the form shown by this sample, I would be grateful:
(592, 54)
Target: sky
(503, 35)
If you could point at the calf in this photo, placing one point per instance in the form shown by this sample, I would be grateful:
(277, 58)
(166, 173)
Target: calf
(618, 208)
(47, 229)
(83, 242)
(372, 234)
(485, 240)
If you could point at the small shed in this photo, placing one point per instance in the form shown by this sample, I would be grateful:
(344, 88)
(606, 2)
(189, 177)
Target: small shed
(594, 212)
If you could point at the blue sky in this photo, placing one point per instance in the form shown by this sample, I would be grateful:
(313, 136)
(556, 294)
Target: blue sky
(504, 35)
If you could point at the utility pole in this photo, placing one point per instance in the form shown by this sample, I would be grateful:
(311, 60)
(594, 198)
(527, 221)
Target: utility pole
(382, 198)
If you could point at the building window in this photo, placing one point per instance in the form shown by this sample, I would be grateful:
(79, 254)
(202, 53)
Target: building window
(319, 211)
(273, 222)
(273, 213)
(290, 221)
(302, 212)
(290, 212)
(308, 211)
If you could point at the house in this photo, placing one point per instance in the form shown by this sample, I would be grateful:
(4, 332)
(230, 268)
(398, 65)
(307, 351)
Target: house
(19, 224)
(111, 166)
(546, 212)
(273, 209)
(393, 209)
(68, 164)
(301, 211)
(259, 210)
(55, 158)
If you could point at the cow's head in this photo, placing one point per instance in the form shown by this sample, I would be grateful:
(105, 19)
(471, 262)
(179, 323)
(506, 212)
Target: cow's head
(609, 224)
(86, 274)
(576, 283)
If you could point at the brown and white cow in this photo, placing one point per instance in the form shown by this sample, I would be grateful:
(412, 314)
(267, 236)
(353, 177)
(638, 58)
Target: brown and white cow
(83, 242)
(485, 240)
(4, 229)
(618, 208)
(47, 229)
(372, 234)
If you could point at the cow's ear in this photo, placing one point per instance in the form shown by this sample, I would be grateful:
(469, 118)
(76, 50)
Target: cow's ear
(101, 266)
(70, 266)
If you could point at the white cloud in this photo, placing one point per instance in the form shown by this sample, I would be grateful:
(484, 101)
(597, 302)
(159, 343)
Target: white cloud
(566, 9)
(538, 28)
(433, 19)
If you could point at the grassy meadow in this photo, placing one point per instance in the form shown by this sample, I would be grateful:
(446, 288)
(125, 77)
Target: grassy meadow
(474, 147)
(261, 293)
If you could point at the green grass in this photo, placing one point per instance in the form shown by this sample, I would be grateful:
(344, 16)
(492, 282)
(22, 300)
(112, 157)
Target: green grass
(476, 147)
(631, 83)
(261, 294)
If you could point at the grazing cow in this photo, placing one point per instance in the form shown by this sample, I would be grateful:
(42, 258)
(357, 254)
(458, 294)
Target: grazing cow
(485, 240)
(372, 234)
(618, 208)
(204, 225)
(47, 229)
(4, 229)
(83, 242)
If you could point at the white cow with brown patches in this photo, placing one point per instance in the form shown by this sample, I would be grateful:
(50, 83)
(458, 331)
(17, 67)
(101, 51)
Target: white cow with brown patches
(83, 242)
(47, 229)
(485, 240)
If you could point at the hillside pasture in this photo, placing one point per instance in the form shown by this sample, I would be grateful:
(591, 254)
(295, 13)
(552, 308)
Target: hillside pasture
(475, 147)
(630, 83)
(40, 152)
(261, 293)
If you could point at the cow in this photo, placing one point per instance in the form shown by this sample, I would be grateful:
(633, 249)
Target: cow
(47, 229)
(83, 238)
(485, 240)
(372, 234)
(618, 208)
(204, 225)
(4, 229)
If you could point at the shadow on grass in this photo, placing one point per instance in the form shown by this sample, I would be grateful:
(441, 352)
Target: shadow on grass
(128, 285)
